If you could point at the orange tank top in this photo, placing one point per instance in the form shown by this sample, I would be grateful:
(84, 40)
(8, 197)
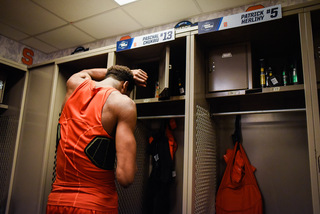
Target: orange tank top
(79, 183)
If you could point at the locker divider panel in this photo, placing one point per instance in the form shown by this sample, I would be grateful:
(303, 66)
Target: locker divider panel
(27, 182)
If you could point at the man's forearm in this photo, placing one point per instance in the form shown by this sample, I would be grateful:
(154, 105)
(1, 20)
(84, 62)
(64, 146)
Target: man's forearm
(97, 73)
(140, 77)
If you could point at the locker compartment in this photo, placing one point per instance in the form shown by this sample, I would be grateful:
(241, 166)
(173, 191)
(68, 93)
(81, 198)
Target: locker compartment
(152, 59)
(177, 78)
(153, 87)
(10, 77)
(275, 128)
(67, 67)
(165, 65)
(276, 43)
(76, 65)
(277, 146)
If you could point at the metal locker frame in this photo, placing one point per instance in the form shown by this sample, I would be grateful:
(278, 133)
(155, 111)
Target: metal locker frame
(312, 105)
(16, 144)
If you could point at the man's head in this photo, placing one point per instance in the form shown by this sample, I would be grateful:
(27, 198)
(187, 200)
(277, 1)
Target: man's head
(122, 74)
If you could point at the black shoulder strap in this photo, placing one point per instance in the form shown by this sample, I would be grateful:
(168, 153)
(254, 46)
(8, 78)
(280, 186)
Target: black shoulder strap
(58, 136)
(237, 137)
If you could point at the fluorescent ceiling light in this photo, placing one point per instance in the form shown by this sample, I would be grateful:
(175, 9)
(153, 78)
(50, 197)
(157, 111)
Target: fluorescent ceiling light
(122, 2)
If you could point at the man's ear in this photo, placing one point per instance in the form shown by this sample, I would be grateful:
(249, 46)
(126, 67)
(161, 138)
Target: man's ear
(124, 88)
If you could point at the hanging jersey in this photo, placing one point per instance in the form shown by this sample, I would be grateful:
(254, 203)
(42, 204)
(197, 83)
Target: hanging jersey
(162, 148)
(79, 182)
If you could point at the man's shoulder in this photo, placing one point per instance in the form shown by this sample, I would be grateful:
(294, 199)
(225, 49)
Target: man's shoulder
(121, 100)
(122, 106)
(77, 79)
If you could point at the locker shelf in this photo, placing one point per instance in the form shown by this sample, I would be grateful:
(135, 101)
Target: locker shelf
(3, 106)
(283, 88)
(283, 99)
(155, 100)
(172, 107)
(276, 89)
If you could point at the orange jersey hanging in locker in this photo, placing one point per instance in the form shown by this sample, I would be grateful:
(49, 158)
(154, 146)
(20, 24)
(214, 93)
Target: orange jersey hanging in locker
(239, 193)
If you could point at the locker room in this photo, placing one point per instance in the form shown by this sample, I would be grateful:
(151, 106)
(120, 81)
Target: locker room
(231, 105)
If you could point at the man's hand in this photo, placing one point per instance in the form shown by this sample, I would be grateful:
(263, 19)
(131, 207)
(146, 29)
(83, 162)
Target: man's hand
(140, 77)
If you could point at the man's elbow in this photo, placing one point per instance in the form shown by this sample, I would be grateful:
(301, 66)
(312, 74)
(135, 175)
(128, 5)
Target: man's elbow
(125, 177)
(125, 184)
(125, 181)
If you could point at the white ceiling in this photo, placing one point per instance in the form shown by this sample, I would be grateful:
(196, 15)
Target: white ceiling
(52, 25)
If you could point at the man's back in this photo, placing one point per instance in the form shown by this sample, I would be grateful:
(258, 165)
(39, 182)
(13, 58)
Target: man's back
(79, 181)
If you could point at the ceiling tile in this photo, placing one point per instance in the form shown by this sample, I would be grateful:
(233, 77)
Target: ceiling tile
(28, 17)
(108, 24)
(73, 10)
(154, 12)
(11, 33)
(218, 5)
(39, 45)
(65, 37)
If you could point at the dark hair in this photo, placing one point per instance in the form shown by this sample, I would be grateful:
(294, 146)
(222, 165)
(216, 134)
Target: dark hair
(121, 73)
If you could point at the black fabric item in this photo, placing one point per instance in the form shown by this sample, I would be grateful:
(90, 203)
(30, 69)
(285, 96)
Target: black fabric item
(162, 164)
(79, 49)
(165, 94)
(237, 136)
(58, 136)
(101, 151)
(160, 180)
(158, 198)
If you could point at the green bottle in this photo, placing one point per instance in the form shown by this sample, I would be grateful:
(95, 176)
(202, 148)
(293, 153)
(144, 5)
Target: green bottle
(294, 76)
(284, 78)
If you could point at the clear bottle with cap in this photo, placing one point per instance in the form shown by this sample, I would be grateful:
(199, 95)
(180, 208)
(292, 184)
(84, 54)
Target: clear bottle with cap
(181, 89)
(157, 90)
(273, 81)
(268, 77)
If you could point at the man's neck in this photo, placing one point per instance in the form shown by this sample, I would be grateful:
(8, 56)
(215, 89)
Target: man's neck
(109, 82)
